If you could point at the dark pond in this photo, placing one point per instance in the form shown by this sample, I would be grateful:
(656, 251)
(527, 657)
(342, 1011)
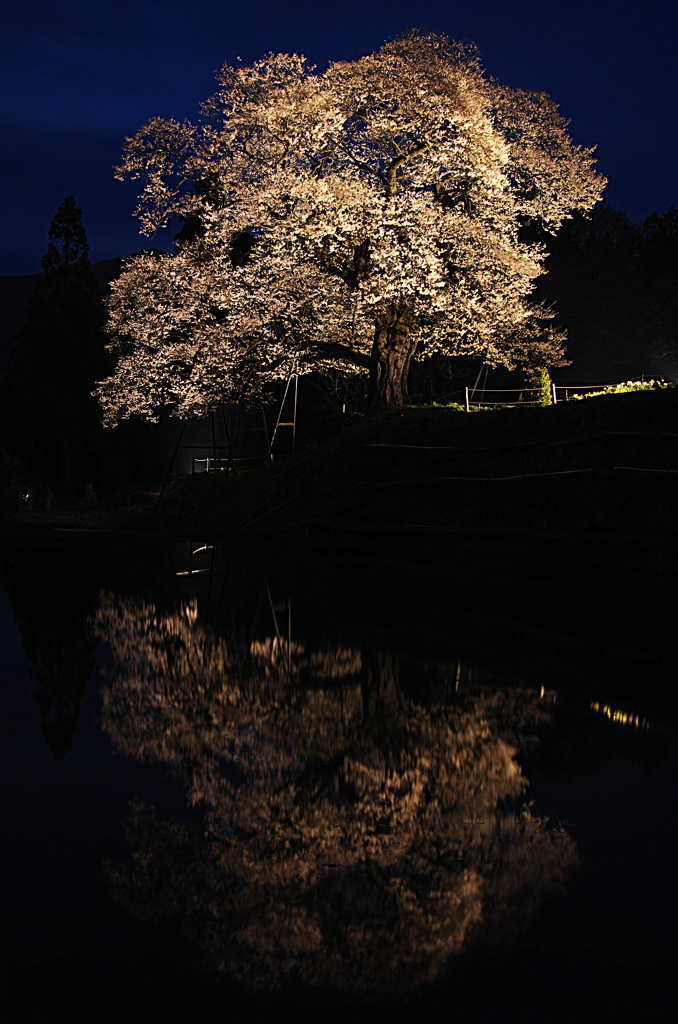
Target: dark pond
(262, 782)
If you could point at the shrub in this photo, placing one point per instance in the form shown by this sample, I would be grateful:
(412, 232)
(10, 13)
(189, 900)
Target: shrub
(540, 380)
(626, 386)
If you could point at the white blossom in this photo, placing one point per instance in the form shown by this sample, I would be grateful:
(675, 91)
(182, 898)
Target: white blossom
(383, 198)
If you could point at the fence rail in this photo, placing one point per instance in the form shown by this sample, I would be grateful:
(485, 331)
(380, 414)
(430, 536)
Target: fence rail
(472, 400)
(559, 393)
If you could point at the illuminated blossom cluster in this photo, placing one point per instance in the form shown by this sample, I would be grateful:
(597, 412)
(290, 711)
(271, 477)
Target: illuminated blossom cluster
(380, 202)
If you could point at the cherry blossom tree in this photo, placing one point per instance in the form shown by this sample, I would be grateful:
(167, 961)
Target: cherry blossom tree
(350, 836)
(358, 218)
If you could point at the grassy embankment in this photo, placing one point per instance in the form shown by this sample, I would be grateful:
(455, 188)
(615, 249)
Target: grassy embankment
(527, 470)
(578, 467)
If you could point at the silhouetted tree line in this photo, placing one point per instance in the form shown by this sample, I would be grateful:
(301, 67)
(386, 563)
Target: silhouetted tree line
(614, 285)
(52, 438)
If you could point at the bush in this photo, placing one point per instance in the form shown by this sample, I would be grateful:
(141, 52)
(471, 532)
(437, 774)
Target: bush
(624, 387)
(540, 380)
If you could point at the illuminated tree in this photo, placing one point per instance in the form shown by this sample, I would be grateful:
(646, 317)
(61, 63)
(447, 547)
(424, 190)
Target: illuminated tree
(351, 837)
(357, 218)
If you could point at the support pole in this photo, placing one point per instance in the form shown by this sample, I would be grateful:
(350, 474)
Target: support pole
(553, 393)
(294, 417)
(467, 405)
(482, 393)
(268, 440)
(229, 442)
(286, 423)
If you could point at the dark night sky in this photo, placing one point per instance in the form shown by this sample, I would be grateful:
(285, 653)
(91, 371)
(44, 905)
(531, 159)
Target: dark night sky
(79, 75)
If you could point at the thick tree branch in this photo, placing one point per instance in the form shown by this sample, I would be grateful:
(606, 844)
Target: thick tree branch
(395, 165)
(332, 350)
(363, 166)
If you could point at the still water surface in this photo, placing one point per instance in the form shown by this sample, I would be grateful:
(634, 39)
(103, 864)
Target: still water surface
(226, 788)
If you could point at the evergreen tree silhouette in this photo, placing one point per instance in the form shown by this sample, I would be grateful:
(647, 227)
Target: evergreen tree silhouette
(659, 275)
(54, 422)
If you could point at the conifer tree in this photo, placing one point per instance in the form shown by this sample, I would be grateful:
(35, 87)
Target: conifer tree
(659, 275)
(58, 355)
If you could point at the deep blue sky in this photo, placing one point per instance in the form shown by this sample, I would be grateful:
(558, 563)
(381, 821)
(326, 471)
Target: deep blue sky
(79, 75)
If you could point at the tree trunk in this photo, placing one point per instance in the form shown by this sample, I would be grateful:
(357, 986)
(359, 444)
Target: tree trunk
(392, 354)
(381, 694)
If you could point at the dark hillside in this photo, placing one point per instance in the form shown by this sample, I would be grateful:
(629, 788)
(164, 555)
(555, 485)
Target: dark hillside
(601, 465)
(588, 466)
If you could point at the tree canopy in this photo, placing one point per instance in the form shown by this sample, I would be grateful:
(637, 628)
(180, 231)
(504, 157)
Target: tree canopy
(359, 217)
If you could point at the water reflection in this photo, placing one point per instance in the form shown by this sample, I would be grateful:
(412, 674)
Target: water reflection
(52, 596)
(349, 835)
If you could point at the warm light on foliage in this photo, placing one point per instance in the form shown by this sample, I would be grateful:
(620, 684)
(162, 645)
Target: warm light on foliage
(356, 218)
(349, 836)
(623, 388)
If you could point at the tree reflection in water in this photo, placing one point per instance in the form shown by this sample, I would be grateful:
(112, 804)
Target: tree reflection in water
(350, 837)
(53, 592)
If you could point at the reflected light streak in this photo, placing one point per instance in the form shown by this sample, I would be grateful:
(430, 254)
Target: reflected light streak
(619, 716)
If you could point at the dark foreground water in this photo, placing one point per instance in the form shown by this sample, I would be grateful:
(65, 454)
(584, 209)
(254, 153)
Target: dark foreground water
(263, 784)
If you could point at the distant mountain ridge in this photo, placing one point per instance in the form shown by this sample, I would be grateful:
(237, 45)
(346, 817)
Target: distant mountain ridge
(16, 291)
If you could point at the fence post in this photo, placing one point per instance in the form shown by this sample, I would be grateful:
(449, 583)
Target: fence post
(553, 392)
(467, 407)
